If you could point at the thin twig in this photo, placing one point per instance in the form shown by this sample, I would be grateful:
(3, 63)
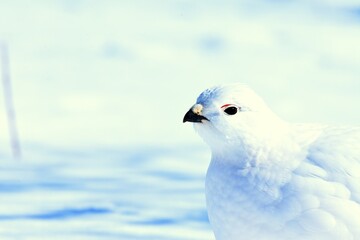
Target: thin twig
(9, 104)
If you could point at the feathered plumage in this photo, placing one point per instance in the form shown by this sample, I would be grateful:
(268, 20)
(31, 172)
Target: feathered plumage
(269, 179)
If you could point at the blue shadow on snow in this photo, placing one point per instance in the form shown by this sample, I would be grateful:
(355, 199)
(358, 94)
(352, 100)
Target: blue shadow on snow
(59, 214)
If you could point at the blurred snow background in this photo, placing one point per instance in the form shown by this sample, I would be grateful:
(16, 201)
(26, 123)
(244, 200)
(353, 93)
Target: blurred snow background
(123, 72)
(98, 78)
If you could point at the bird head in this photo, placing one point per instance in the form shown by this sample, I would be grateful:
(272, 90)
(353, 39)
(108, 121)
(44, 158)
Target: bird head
(232, 115)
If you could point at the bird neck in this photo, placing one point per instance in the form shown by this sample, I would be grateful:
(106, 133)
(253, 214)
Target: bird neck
(261, 169)
(265, 148)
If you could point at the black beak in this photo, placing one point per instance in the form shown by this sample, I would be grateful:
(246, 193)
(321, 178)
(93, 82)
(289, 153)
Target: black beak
(190, 116)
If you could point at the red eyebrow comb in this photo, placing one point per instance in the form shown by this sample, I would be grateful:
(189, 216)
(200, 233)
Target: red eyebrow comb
(226, 105)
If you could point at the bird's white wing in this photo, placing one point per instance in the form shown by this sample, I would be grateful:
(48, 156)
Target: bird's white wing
(329, 183)
(337, 152)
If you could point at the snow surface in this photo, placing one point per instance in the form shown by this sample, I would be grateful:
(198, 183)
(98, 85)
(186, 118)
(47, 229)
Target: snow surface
(136, 193)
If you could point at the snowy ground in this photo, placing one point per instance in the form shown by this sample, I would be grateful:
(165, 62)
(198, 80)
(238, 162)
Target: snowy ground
(139, 193)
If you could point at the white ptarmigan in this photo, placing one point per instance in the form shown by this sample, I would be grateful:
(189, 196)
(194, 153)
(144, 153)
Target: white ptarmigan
(269, 179)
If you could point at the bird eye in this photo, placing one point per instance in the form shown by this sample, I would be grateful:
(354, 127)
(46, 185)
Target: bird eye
(231, 110)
